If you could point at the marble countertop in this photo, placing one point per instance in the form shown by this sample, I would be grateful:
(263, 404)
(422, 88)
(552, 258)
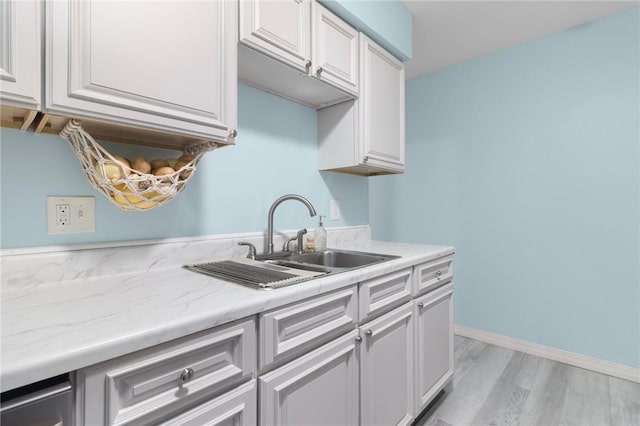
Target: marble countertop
(62, 326)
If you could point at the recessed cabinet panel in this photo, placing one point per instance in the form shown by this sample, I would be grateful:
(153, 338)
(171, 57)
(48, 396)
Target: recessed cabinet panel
(387, 369)
(335, 50)
(382, 106)
(143, 24)
(434, 344)
(175, 72)
(320, 388)
(20, 62)
(279, 28)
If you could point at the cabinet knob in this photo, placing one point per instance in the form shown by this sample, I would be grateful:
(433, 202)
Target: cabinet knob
(233, 133)
(369, 332)
(308, 64)
(186, 375)
(420, 305)
(438, 274)
(358, 339)
(319, 70)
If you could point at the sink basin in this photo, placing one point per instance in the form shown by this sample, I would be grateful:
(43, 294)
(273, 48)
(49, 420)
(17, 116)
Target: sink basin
(332, 261)
(341, 258)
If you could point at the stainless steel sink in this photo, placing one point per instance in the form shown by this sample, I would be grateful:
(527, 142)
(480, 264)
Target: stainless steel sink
(333, 260)
(282, 269)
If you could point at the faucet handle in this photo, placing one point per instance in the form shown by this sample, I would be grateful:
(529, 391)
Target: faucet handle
(252, 249)
(299, 238)
(285, 246)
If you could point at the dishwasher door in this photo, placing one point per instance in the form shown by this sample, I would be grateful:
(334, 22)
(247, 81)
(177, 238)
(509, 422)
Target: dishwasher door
(46, 403)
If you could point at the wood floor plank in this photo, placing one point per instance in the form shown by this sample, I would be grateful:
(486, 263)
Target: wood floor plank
(587, 398)
(471, 391)
(507, 399)
(497, 386)
(625, 402)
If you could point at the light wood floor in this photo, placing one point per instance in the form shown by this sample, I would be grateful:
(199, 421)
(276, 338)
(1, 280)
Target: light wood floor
(498, 386)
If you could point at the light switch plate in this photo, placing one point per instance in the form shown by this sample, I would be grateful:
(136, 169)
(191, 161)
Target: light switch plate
(68, 215)
(334, 210)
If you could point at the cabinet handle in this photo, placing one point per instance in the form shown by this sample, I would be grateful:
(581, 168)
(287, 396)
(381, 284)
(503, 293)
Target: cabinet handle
(369, 332)
(186, 375)
(319, 70)
(438, 274)
(358, 339)
(420, 305)
(233, 133)
(307, 64)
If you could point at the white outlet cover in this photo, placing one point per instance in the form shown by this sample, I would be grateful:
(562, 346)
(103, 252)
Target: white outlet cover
(81, 216)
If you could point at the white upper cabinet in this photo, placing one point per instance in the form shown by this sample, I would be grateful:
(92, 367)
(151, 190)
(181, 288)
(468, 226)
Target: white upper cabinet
(366, 136)
(334, 50)
(20, 61)
(168, 66)
(280, 28)
(382, 107)
(298, 50)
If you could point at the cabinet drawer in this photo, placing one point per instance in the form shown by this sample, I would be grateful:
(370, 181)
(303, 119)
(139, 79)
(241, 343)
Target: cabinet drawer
(382, 294)
(149, 385)
(237, 407)
(432, 274)
(295, 329)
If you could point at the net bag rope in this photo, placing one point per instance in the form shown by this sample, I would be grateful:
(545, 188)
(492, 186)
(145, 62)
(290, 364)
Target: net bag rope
(127, 188)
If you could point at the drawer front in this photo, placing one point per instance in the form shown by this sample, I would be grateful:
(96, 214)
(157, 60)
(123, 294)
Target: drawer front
(432, 274)
(150, 384)
(293, 330)
(380, 295)
(237, 407)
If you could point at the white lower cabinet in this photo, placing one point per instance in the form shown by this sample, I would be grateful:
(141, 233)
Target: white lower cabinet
(434, 343)
(319, 388)
(320, 361)
(387, 369)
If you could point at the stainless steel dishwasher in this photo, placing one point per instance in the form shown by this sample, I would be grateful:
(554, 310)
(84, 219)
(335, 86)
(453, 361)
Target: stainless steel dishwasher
(45, 403)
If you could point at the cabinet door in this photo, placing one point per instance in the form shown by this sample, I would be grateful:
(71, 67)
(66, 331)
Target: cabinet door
(386, 369)
(320, 388)
(235, 408)
(434, 344)
(278, 28)
(20, 59)
(161, 65)
(381, 107)
(334, 50)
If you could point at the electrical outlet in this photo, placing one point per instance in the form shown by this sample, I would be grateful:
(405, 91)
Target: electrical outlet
(67, 215)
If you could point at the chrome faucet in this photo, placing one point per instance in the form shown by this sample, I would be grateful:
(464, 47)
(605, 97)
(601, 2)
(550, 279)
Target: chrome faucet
(312, 212)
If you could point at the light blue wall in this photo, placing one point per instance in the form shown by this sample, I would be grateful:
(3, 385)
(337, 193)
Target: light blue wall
(528, 162)
(388, 22)
(276, 153)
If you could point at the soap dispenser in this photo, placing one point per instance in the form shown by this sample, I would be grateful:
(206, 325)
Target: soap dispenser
(320, 236)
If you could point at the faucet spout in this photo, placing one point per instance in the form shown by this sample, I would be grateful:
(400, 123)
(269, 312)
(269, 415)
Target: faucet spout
(312, 212)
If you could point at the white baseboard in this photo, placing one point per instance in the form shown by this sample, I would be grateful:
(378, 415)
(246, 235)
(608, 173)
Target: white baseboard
(577, 360)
